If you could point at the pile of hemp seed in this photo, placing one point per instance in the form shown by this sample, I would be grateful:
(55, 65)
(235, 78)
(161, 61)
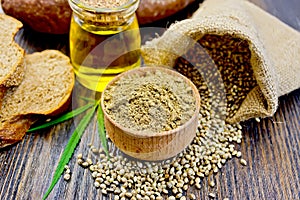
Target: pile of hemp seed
(216, 140)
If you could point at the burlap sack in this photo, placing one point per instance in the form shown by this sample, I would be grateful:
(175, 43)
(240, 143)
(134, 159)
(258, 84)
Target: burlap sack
(274, 46)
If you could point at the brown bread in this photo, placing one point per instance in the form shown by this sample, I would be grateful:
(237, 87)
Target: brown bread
(45, 16)
(54, 17)
(45, 90)
(153, 10)
(11, 54)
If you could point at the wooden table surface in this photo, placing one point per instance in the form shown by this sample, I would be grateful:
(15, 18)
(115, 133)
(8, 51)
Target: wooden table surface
(271, 147)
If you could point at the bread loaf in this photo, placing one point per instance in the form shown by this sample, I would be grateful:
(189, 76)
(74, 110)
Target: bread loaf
(153, 10)
(45, 90)
(45, 16)
(50, 16)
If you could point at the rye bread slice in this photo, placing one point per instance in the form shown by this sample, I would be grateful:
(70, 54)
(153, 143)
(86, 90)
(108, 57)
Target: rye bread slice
(45, 90)
(11, 54)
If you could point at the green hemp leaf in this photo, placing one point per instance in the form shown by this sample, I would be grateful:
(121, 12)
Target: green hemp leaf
(101, 131)
(76, 136)
(62, 118)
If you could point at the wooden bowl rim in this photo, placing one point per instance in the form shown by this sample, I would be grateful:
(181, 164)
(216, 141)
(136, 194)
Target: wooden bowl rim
(145, 134)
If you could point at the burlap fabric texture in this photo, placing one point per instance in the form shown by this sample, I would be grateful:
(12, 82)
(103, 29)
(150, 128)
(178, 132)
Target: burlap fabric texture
(274, 46)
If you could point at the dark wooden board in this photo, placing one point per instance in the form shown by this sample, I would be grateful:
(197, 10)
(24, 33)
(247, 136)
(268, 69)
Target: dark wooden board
(271, 147)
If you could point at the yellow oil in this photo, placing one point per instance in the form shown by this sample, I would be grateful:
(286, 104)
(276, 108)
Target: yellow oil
(98, 53)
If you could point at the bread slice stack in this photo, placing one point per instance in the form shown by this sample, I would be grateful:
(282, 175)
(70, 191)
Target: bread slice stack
(32, 85)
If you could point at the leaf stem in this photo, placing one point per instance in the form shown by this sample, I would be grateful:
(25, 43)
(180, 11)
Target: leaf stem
(70, 148)
(101, 131)
(62, 118)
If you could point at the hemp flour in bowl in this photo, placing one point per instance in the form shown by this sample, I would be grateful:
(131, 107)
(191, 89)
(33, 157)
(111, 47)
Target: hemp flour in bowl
(151, 113)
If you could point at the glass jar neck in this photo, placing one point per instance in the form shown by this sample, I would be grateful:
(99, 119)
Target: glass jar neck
(115, 16)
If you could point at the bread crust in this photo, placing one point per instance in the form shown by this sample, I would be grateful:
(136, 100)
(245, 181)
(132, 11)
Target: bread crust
(13, 126)
(45, 16)
(153, 10)
(13, 130)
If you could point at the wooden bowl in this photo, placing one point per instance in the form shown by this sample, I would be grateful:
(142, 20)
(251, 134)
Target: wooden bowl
(153, 146)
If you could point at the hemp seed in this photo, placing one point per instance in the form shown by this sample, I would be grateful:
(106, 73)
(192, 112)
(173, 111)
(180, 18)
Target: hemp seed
(243, 162)
(67, 177)
(212, 195)
(215, 141)
(192, 196)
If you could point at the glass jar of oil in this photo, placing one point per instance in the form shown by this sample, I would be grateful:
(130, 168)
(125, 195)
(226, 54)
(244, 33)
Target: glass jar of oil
(104, 40)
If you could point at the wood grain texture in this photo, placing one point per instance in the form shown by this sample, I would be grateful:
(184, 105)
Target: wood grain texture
(271, 147)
